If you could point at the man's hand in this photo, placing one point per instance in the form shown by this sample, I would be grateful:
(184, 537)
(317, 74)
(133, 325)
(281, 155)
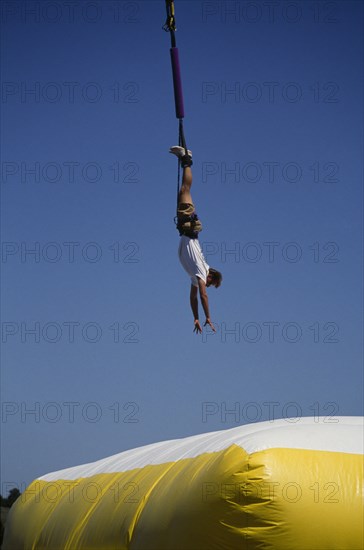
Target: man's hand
(198, 328)
(208, 322)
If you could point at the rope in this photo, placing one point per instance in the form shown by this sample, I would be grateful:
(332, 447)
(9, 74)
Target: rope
(170, 26)
(181, 143)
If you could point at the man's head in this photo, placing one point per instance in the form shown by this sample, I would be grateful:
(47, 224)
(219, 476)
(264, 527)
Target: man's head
(214, 278)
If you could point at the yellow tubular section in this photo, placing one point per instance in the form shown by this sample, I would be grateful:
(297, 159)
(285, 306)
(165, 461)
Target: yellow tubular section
(281, 499)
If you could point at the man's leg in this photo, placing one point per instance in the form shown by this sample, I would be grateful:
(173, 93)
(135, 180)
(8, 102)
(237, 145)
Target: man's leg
(188, 221)
(186, 162)
(185, 191)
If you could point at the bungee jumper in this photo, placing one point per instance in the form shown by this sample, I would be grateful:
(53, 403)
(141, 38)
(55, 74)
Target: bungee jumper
(187, 221)
(189, 250)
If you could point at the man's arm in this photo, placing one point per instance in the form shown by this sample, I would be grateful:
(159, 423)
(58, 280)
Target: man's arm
(194, 307)
(204, 302)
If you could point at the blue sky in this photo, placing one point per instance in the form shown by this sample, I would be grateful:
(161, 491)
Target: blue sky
(98, 354)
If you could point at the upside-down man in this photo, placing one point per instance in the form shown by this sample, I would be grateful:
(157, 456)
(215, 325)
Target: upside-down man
(189, 251)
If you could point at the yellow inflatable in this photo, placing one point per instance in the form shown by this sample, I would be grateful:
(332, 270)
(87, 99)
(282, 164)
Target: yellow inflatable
(279, 485)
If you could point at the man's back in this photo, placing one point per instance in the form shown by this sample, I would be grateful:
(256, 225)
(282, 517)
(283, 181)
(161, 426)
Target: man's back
(192, 259)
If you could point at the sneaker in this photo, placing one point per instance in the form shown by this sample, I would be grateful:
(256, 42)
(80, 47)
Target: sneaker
(180, 151)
